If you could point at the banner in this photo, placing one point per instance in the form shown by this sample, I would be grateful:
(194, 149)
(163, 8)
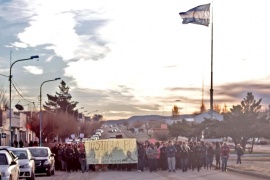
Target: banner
(111, 151)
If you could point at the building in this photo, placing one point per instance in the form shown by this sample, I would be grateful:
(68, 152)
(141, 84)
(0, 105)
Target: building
(19, 129)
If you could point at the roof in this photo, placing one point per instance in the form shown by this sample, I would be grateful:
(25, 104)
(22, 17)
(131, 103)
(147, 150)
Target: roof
(38, 147)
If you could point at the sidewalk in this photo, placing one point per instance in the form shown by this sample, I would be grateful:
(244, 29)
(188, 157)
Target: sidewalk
(255, 166)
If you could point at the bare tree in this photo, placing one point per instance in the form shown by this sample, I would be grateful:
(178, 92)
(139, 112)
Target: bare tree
(3, 99)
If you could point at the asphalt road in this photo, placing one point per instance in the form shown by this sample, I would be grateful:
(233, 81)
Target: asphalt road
(160, 175)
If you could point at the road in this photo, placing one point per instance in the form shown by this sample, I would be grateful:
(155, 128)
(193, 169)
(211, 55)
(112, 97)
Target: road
(160, 175)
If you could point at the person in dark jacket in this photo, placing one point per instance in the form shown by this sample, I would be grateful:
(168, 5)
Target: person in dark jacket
(178, 145)
(191, 163)
(198, 154)
(21, 144)
(184, 151)
(204, 152)
(217, 155)
(210, 156)
(82, 159)
(141, 156)
(163, 157)
(69, 153)
(239, 152)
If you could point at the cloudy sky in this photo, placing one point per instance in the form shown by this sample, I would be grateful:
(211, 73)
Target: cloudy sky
(127, 57)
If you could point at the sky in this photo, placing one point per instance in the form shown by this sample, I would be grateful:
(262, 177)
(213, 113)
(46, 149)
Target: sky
(126, 57)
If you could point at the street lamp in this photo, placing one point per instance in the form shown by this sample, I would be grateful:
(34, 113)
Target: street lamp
(40, 110)
(10, 77)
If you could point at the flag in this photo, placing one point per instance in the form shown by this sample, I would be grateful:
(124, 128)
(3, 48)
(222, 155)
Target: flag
(198, 15)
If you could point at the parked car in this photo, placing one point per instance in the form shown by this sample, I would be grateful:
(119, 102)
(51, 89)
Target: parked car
(100, 130)
(98, 133)
(111, 131)
(9, 165)
(96, 136)
(26, 162)
(44, 160)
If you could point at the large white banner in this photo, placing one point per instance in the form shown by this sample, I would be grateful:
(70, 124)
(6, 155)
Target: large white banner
(111, 151)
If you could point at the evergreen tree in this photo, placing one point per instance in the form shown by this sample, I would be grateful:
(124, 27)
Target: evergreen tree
(243, 121)
(61, 101)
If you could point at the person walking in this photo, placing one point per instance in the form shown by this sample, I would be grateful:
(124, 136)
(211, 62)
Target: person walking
(210, 156)
(163, 157)
(21, 144)
(171, 150)
(69, 153)
(204, 152)
(151, 153)
(198, 154)
(82, 159)
(225, 151)
(239, 152)
(178, 145)
(184, 153)
(217, 155)
(141, 156)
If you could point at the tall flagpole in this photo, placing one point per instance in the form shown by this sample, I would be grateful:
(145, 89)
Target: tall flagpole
(211, 90)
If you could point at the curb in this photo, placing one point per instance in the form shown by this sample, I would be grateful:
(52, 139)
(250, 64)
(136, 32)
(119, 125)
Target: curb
(249, 173)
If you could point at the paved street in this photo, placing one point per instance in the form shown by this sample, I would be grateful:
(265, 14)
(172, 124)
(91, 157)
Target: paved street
(160, 175)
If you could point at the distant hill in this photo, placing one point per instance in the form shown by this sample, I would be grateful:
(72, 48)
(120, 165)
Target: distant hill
(133, 119)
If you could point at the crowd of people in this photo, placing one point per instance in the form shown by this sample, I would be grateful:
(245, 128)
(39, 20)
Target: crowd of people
(164, 156)
(182, 155)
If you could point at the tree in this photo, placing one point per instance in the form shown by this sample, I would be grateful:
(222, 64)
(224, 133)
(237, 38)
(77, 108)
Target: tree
(202, 108)
(88, 128)
(208, 127)
(97, 117)
(54, 125)
(217, 108)
(243, 121)
(180, 129)
(225, 109)
(61, 101)
(126, 123)
(57, 119)
(175, 111)
(3, 99)
(161, 136)
(137, 124)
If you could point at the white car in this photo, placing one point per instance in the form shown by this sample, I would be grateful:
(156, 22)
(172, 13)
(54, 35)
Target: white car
(9, 165)
(96, 136)
(100, 130)
(26, 162)
(98, 133)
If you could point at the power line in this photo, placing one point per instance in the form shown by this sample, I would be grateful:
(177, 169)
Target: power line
(20, 93)
(20, 89)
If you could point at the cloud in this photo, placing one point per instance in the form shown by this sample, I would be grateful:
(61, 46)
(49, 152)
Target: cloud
(33, 69)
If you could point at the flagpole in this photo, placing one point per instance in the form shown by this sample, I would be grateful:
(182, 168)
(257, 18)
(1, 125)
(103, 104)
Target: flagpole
(212, 90)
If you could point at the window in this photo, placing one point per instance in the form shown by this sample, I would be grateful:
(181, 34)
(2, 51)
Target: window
(3, 159)
(20, 154)
(39, 152)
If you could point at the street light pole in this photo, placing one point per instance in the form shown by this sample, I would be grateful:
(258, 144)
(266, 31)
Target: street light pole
(10, 78)
(40, 110)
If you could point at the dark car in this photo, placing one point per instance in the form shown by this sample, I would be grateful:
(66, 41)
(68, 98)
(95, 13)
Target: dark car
(44, 160)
